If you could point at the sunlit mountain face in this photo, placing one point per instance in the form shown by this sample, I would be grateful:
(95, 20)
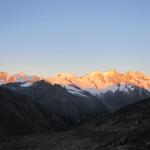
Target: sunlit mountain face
(19, 77)
(96, 80)
(96, 83)
(101, 80)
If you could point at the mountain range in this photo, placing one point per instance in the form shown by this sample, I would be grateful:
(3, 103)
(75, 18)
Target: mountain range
(115, 89)
(97, 105)
(95, 81)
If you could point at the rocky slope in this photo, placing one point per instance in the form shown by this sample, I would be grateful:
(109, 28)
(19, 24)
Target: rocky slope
(70, 107)
(19, 115)
(43, 108)
(121, 95)
(126, 129)
(114, 97)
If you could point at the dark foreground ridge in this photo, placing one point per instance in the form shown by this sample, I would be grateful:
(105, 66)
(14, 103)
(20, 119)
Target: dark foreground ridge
(44, 108)
(126, 129)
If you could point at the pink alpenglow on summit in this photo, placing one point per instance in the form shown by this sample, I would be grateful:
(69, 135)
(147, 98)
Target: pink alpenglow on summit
(93, 81)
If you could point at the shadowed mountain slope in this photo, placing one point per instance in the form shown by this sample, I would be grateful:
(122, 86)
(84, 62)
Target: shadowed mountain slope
(126, 129)
(72, 108)
(19, 115)
(43, 108)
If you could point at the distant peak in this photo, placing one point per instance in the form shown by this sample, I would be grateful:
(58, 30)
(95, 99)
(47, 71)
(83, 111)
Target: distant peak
(21, 73)
(111, 72)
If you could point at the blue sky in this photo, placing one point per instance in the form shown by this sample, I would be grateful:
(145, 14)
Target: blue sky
(77, 36)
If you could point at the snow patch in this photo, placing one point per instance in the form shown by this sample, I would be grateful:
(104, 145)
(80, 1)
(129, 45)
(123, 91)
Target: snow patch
(26, 84)
(75, 91)
(93, 91)
(2, 82)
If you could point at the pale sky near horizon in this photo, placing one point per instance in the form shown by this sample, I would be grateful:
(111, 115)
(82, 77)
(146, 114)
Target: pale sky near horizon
(78, 36)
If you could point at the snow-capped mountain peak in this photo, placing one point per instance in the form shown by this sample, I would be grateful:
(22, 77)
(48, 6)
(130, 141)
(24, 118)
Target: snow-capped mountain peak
(115, 89)
(94, 82)
(21, 73)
